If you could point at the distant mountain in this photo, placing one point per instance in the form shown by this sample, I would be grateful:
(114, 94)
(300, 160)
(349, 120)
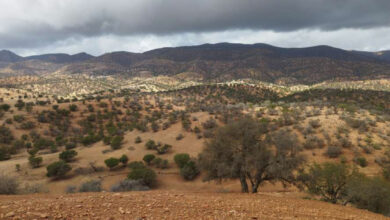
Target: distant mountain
(224, 61)
(382, 55)
(61, 57)
(8, 56)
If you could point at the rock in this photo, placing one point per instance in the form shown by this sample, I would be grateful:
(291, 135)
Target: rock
(10, 214)
(121, 210)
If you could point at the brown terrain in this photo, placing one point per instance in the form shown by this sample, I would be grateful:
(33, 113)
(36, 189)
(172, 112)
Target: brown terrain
(173, 205)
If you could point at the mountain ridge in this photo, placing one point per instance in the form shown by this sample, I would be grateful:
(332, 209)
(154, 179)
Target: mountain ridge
(220, 62)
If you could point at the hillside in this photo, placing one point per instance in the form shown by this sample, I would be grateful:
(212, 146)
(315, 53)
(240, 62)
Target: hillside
(172, 205)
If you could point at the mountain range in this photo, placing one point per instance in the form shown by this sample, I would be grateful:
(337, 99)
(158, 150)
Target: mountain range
(213, 62)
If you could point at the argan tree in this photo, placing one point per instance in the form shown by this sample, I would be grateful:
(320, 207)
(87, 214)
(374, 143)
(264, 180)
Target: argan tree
(238, 152)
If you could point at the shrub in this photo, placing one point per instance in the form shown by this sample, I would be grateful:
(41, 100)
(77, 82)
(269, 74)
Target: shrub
(73, 108)
(138, 140)
(163, 149)
(129, 185)
(361, 161)
(315, 123)
(189, 171)
(58, 169)
(70, 145)
(116, 142)
(112, 162)
(68, 155)
(34, 161)
(91, 186)
(181, 159)
(160, 163)
(27, 125)
(148, 158)
(179, 137)
(8, 185)
(124, 159)
(150, 145)
(333, 151)
(145, 175)
(136, 165)
(4, 153)
(372, 194)
(18, 118)
(327, 180)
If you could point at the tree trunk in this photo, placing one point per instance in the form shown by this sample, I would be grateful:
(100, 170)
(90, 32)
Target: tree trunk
(255, 186)
(244, 185)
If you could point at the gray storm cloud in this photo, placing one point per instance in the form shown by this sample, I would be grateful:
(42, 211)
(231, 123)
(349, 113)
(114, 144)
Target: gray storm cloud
(39, 23)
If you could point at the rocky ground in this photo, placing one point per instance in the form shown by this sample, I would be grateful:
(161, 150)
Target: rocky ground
(172, 205)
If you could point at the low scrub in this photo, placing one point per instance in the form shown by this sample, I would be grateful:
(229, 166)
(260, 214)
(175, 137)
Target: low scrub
(129, 185)
(8, 185)
(91, 186)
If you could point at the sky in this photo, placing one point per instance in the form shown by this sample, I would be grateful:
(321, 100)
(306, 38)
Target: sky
(30, 27)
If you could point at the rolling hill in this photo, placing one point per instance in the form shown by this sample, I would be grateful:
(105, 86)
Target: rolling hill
(216, 62)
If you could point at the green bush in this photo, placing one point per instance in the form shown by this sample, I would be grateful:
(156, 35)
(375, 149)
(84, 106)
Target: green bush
(138, 140)
(34, 161)
(58, 169)
(189, 171)
(163, 149)
(112, 162)
(116, 142)
(327, 180)
(150, 145)
(361, 161)
(124, 159)
(73, 108)
(181, 159)
(145, 175)
(70, 145)
(148, 158)
(136, 165)
(160, 163)
(68, 155)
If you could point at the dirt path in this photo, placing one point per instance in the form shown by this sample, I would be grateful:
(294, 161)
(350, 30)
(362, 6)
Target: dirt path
(172, 205)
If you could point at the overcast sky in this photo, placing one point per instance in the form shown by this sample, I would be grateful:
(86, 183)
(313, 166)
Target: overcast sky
(98, 26)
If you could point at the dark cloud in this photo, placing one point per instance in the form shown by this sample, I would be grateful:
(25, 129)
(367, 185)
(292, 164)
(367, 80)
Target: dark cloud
(26, 23)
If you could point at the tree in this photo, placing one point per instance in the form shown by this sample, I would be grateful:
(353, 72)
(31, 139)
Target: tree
(148, 158)
(237, 152)
(181, 159)
(68, 155)
(329, 180)
(58, 169)
(111, 162)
